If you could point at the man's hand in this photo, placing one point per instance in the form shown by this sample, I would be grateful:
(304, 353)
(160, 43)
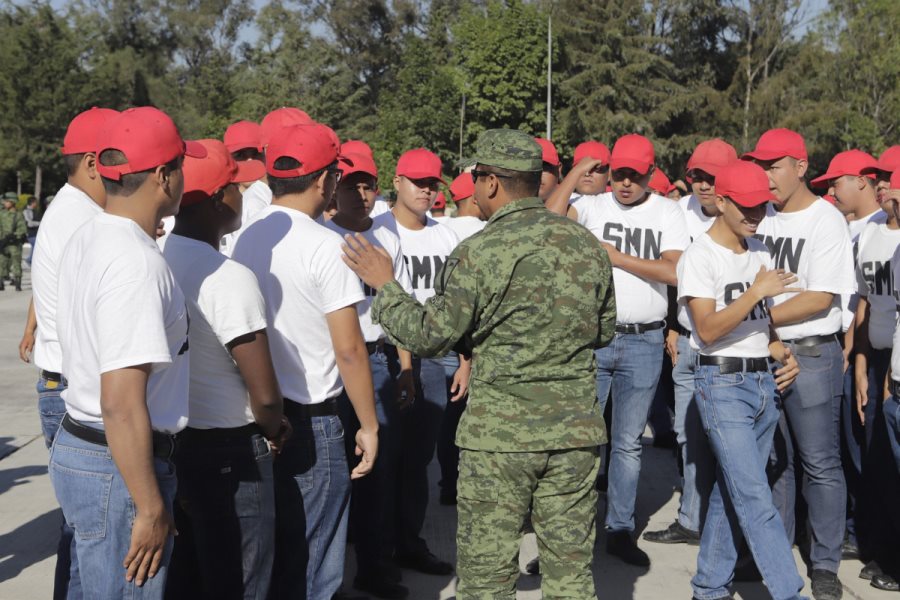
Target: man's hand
(276, 442)
(613, 252)
(672, 346)
(372, 264)
(367, 449)
(26, 346)
(149, 534)
(460, 385)
(405, 389)
(787, 373)
(586, 165)
(769, 284)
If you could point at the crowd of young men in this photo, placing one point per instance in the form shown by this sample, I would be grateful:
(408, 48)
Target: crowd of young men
(240, 341)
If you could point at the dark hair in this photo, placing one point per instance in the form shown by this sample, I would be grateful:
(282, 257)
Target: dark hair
(282, 186)
(250, 153)
(518, 183)
(72, 161)
(130, 182)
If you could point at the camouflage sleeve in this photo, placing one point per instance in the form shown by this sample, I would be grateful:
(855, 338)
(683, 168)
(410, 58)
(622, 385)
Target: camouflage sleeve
(432, 329)
(21, 226)
(606, 304)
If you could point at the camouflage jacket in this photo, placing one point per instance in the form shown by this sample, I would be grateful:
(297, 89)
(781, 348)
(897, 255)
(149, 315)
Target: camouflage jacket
(13, 229)
(529, 297)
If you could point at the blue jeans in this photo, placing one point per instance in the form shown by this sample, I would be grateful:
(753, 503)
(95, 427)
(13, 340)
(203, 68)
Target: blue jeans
(739, 416)
(630, 366)
(225, 515)
(98, 506)
(892, 420)
(699, 463)
(447, 450)
(312, 497)
(809, 431)
(52, 409)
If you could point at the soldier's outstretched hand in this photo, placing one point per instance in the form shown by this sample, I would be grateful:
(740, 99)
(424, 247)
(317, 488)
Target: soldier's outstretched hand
(372, 263)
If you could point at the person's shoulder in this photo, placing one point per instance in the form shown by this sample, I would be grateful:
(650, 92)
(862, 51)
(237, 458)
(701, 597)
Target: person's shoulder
(824, 215)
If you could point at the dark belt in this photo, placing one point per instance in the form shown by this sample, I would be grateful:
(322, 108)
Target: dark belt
(639, 327)
(51, 376)
(163, 443)
(681, 330)
(809, 345)
(219, 434)
(734, 364)
(373, 347)
(295, 410)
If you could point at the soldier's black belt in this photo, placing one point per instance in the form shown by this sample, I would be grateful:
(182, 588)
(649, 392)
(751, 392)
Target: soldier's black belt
(639, 327)
(809, 345)
(163, 443)
(51, 376)
(295, 410)
(373, 347)
(734, 364)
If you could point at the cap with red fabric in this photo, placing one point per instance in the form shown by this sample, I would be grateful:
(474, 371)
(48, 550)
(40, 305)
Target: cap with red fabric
(356, 147)
(356, 162)
(548, 151)
(419, 164)
(746, 183)
(829, 199)
(205, 176)
(81, 135)
(660, 183)
(440, 201)
(888, 162)
(462, 187)
(711, 155)
(243, 134)
(280, 118)
(591, 149)
(634, 152)
(311, 145)
(895, 180)
(851, 162)
(778, 143)
(147, 137)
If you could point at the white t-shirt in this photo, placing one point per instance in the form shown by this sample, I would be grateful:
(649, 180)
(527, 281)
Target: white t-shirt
(647, 230)
(465, 227)
(895, 288)
(70, 209)
(224, 303)
(255, 198)
(377, 235)
(876, 248)
(303, 278)
(709, 270)
(168, 225)
(379, 207)
(121, 307)
(424, 251)
(857, 226)
(814, 244)
(698, 223)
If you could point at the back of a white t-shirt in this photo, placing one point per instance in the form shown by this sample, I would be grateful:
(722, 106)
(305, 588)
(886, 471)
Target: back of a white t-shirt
(255, 198)
(465, 227)
(697, 223)
(224, 303)
(71, 208)
(302, 278)
(121, 307)
(647, 230)
(875, 251)
(895, 288)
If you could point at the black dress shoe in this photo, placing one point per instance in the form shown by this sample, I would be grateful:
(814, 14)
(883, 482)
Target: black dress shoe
(849, 550)
(870, 570)
(885, 582)
(534, 566)
(826, 585)
(380, 587)
(424, 562)
(674, 534)
(620, 543)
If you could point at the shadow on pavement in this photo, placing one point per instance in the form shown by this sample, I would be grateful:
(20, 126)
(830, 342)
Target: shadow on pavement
(10, 478)
(6, 448)
(29, 544)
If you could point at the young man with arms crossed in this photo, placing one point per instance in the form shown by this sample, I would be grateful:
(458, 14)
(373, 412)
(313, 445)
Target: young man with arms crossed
(734, 339)
(318, 351)
(123, 325)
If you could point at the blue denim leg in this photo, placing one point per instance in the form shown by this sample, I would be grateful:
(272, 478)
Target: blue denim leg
(892, 420)
(51, 407)
(699, 463)
(447, 451)
(225, 514)
(739, 415)
(629, 366)
(810, 433)
(97, 505)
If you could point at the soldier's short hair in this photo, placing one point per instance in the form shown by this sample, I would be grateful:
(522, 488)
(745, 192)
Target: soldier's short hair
(281, 186)
(130, 182)
(517, 183)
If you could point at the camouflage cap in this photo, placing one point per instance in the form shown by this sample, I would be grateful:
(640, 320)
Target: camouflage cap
(508, 149)
(11, 196)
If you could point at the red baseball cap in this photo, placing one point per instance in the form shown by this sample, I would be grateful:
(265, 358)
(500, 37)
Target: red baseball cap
(746, 183)
(312, 145)
(356, 147)
(591, 149)
(778, 143)
(462, 187)
(147, 137)
(634, 152)
(829, 199)
(548, 151)
(420, 164)
(440, 201)
(895, 180)
(280, 118)
(205, 176)
(355, 162)
(851, 162)
(81, 135)
(243, 134)
(660, 183)
(711, 155)
(888, 162)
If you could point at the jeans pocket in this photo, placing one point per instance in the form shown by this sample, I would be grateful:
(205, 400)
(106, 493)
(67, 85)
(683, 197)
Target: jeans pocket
(84, 498)
(726, 380)
(334, 429)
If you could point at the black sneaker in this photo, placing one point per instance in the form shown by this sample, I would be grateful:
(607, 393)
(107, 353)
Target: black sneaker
(826, 585)
(423, 562)
(380, 587)
(620, 543)
(674, 534)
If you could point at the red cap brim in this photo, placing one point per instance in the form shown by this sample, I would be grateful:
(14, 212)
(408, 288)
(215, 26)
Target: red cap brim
(248, 170)
(751, 199)
(763, 155)
(639, 166)
(420, 175)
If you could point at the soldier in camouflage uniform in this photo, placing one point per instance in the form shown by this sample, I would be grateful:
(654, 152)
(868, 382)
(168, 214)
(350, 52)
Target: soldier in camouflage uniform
(13, 232)
(529, 298)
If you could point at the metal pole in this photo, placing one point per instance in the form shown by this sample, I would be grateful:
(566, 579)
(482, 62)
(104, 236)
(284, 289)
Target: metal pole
(549, 70)
(462, 120)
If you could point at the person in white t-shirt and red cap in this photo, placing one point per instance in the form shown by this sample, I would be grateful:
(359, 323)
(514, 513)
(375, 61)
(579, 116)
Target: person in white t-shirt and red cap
(468, 219)
(809, 237)
(123, 326)
(551, 174)
(243, 140)
(589, 176)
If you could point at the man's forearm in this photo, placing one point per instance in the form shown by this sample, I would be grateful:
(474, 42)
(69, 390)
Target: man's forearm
(355, 371)
(801, 307)
(420, 329)
(660, 270)
(558, 201)
(31, 319)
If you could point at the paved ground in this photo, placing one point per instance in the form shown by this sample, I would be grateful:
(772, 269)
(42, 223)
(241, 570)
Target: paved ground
(29, 517)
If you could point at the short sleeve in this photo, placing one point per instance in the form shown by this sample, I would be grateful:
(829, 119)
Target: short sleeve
(696, 275)
(339, 287)
(234, 306)
(830, 268)
(131, 326)
(675, 234)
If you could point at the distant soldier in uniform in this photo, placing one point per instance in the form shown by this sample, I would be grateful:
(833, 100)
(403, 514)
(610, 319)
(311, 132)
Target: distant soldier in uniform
(529, 298)
(13, 232)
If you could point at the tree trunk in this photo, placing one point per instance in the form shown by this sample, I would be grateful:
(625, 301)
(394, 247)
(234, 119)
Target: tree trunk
(38, 179)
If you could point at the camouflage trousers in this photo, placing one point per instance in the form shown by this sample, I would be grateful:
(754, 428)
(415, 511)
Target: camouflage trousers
(496, 490)
(11, 261)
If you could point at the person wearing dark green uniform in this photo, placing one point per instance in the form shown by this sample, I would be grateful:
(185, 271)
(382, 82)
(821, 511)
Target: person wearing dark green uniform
(13, 232)
(529, 298)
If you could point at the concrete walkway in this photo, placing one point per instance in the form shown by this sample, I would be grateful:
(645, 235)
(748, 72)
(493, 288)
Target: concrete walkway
(29, 516)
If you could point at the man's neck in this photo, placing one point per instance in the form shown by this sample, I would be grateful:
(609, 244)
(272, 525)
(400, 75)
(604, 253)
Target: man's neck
(200, 232)
(75, 183)
(801, 199)
(467, 208)
(867, 207)
(137, 209)
(308, 205)
(348, 222)
(408, 218)
(723, 235)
